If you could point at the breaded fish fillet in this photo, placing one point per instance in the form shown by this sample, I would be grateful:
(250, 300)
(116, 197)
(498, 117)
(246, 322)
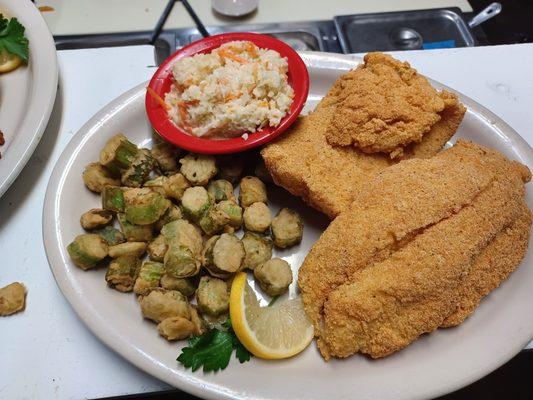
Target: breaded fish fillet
(412, 252)
(329, 177)
(385, 105)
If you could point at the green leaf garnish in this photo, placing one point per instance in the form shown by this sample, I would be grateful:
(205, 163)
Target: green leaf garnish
(12, 38)
(213, 349)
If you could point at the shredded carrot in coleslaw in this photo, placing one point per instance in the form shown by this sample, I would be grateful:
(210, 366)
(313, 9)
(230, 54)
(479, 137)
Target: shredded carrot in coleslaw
(157, 98)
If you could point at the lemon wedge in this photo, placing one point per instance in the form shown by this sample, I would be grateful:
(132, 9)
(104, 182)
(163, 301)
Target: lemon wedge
(280, 331)
(9, 62)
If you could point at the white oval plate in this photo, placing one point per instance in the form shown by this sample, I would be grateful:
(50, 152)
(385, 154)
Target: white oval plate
(27, 94)
(434, 365)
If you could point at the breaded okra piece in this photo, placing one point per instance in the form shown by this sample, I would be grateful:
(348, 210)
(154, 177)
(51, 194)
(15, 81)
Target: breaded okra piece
(287, 228)
(198, 168)
(195, 203)
(135, 233)
(182, 232)
(135, 249)
(149, 277)
(96, 177)
(221, 189)
(96, 218)
(12, 299)
(139, 170)
(111, 235)
(87, 250)
(180, 261)
(175, 185)
(166, 156)
(185, 286)
(230, 167)
(257, 217)
(213, 221)
(233, 211)
(157, 184)
(122, 273)
(223, 255)
(157, 249)
(161, 304)
(176, 328)
(212, 296)
(118, 153)
(144, 206)
(113, 198)
(173, 213)
(274, 276)
(252, 190)
(258, 249)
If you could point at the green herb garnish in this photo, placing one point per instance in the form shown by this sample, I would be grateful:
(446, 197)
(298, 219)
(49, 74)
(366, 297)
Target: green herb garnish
(213, 349)
(12, 37)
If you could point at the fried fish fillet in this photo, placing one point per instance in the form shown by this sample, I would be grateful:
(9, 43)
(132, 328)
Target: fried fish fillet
(384, 106)
(329, 177)
(418, 249)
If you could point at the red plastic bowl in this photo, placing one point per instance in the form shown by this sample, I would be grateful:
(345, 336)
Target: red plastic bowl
(298, 78)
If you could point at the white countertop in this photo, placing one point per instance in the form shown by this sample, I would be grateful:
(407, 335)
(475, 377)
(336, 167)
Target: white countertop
(100, 16)
(46, 352)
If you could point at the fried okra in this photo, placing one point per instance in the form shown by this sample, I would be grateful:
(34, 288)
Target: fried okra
(111, 235)
(173, 213)
(122, 273)
(12, 299)
(113, 198)
(157, 249)
(176, 328)
(257, 217)
(287, 228)
(95, 218)
(180, 261)
(252, 190)
(175, 185)
(213, 221)
(149, 277)
(96, 177)
(183, 285)
(161, 304)
(261, 171)
(258, 249)
(212, 296)
(195, 202)
(87, 250)
(221, 189)
(230, 167)
(157, 185)
(144, 206)
(198, 168)
(233, 211)
(274, 276)
(166, 156)
(134, 249)
(139, 170)
(118, 153)
(223, 255)
(182, 232)
(135, 233)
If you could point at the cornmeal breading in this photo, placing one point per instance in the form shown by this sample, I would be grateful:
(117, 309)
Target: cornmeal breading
(329, 177)
(383, 106)
(412, 252)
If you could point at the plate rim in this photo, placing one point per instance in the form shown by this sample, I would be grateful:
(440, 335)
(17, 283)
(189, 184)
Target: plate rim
(44, 80)
(191, 384)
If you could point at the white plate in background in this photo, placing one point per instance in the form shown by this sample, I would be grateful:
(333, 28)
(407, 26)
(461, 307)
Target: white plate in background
(435, 364)
(27, 94)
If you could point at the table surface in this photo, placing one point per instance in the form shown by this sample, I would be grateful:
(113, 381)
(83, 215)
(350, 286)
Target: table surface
(46, 352)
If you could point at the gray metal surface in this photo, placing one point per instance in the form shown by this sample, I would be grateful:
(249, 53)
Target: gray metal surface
(405, 30)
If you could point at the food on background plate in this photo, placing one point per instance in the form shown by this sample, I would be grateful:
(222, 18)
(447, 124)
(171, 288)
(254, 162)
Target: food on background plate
(12, 299)
(236, 89)
(416, 250)
(328, 177)
(185, 218)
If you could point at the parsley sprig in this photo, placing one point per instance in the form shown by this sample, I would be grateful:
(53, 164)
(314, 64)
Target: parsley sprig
(12, 37)
(213, 350)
